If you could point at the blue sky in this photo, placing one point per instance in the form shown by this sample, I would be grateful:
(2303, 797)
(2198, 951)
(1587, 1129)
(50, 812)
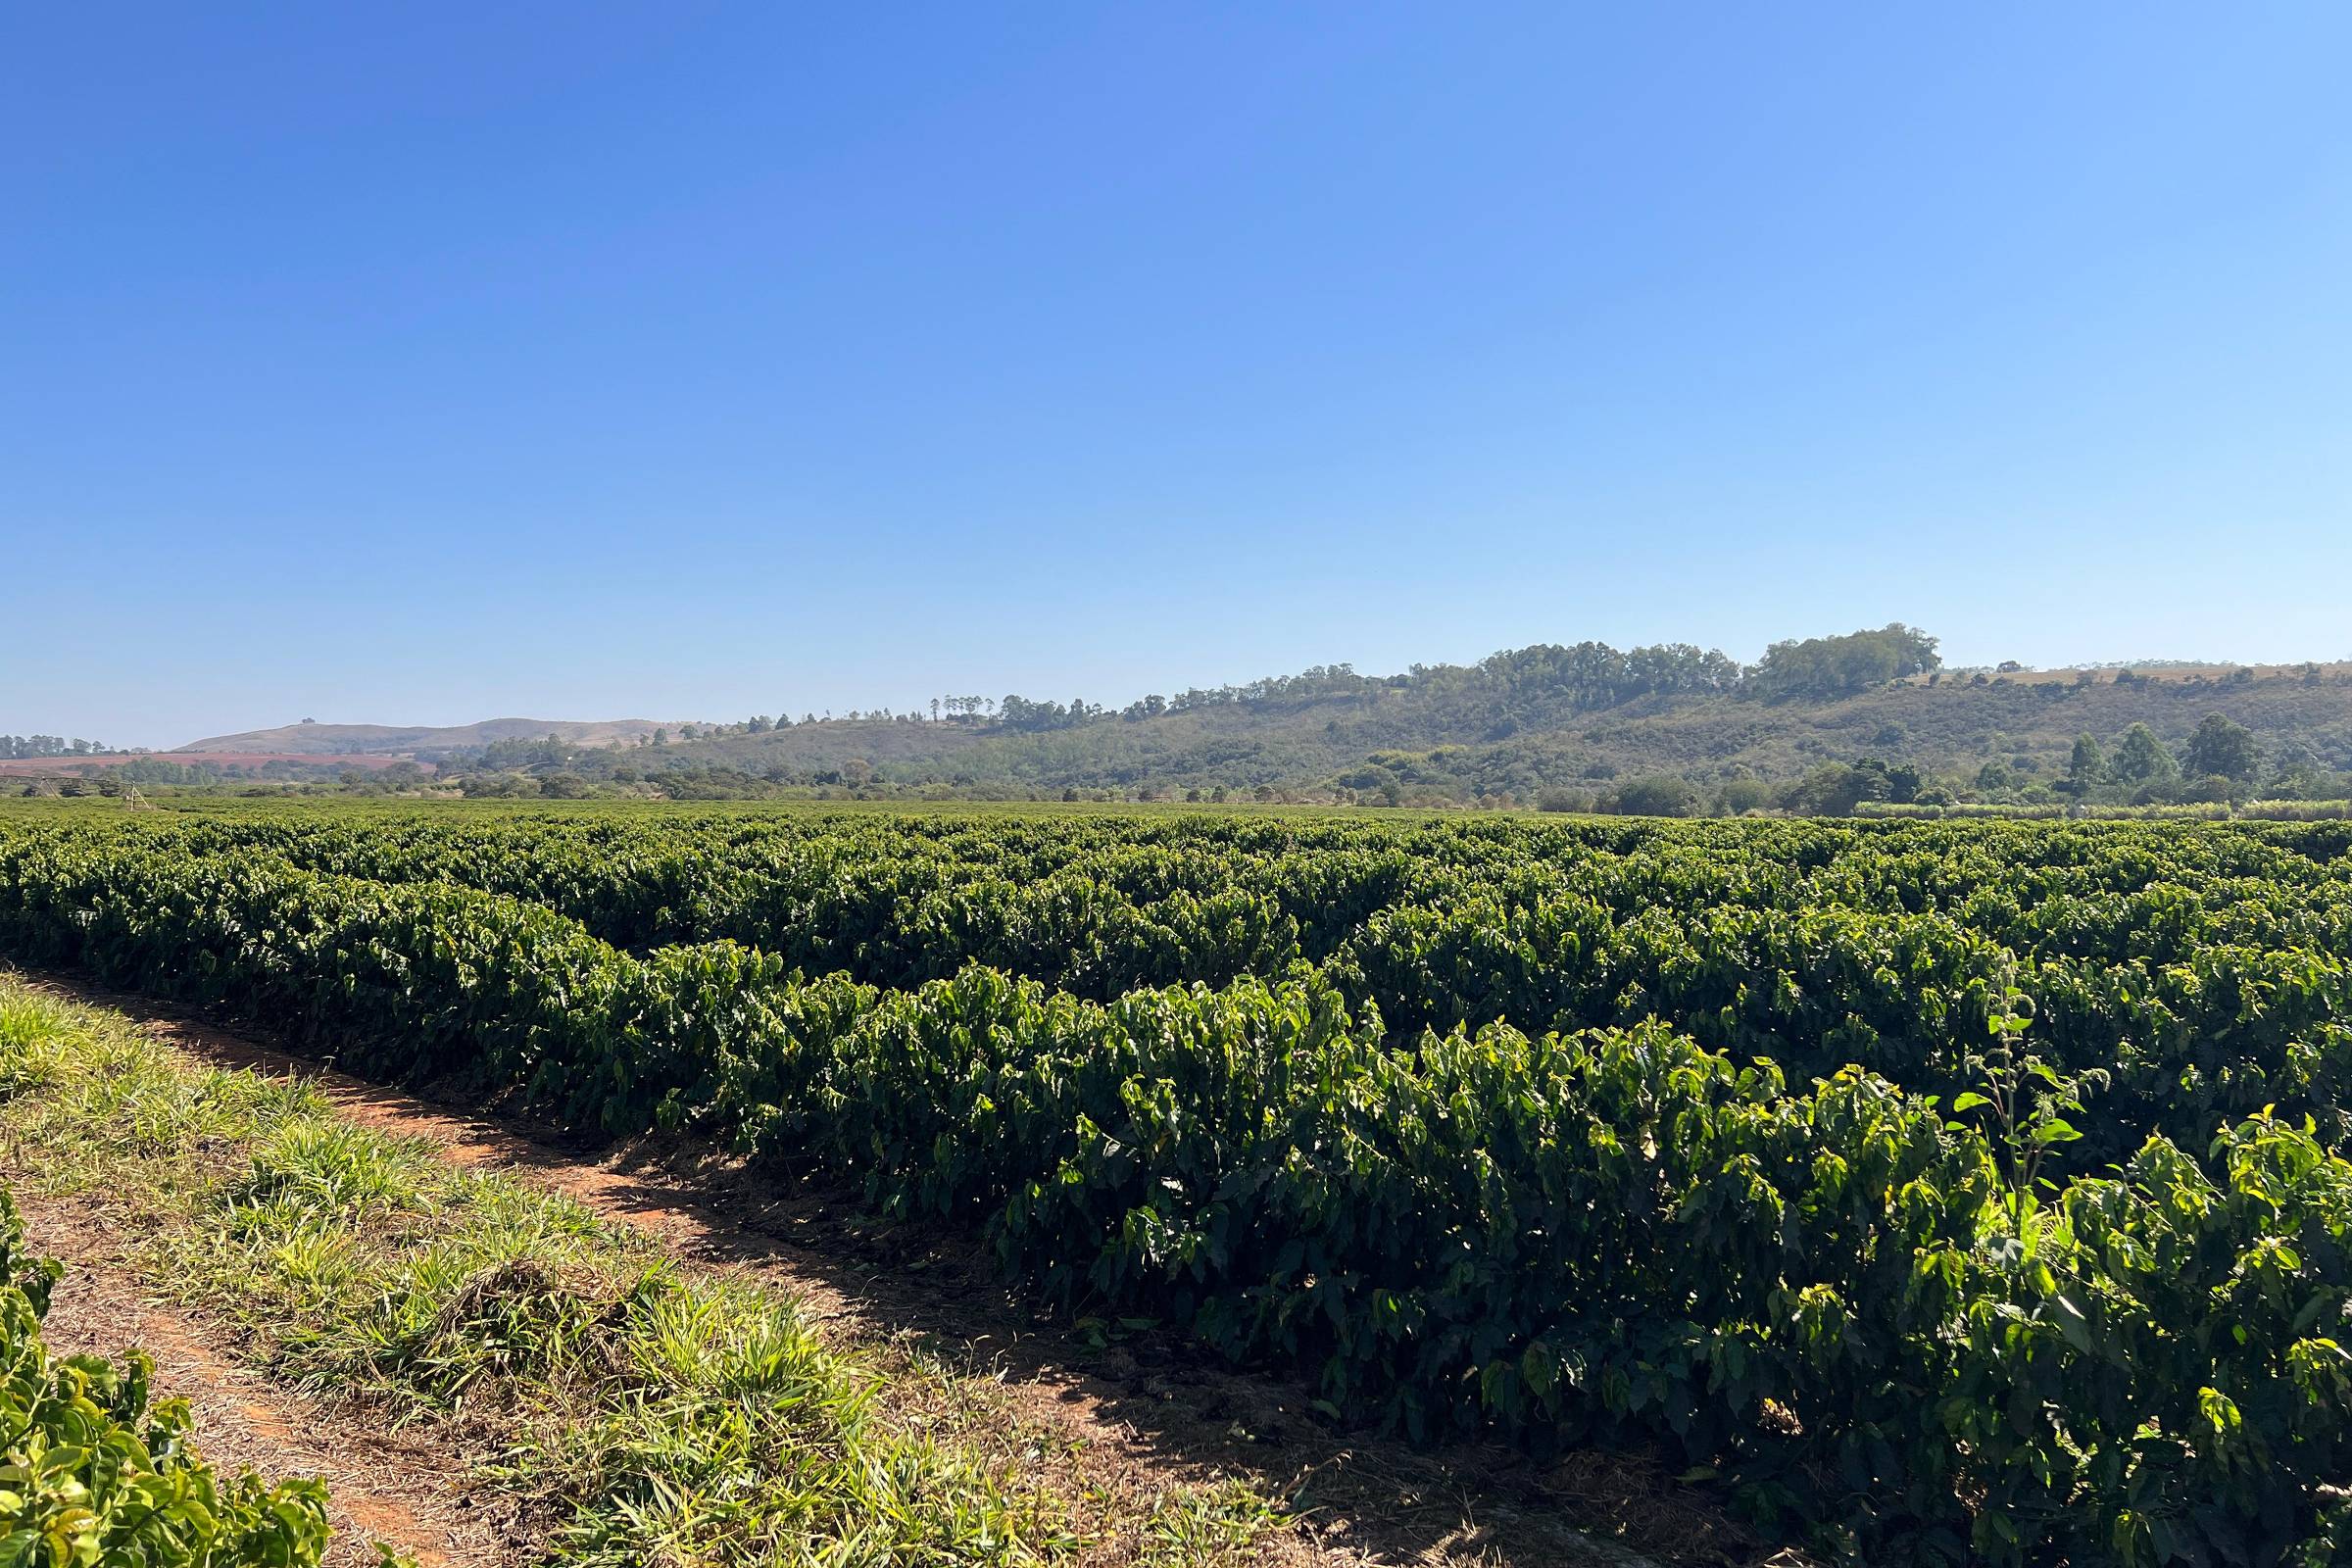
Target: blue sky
(433, 362)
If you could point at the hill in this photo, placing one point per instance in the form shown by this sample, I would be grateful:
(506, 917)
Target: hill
(1361, 741)
(1571, 725)
(1817, 725)
(310, 739)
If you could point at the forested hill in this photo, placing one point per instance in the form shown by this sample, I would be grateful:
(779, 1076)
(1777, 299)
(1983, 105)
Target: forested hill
(1570, 727)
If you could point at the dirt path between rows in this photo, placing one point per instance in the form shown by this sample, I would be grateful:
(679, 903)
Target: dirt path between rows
(413, 1498)
(1139, 1413)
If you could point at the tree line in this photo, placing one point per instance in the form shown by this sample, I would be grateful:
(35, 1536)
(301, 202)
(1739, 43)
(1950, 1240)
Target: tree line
(1583, 678)
(27, 746)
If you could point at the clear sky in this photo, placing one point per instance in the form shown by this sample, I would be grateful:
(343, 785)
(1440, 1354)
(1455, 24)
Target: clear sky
(427, 362)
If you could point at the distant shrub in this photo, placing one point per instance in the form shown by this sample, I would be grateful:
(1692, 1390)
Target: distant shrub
(1659, 794)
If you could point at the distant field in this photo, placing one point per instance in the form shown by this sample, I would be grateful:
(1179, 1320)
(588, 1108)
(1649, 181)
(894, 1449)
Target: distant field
(1745, 1143)
(54, 765)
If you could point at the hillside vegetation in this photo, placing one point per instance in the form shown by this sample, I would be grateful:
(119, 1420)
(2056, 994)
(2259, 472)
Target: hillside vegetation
(1818, 726)
(1673, 728)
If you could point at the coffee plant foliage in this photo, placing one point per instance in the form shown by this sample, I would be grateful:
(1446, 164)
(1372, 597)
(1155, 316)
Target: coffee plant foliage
(1947, 1191)
(94, 1471)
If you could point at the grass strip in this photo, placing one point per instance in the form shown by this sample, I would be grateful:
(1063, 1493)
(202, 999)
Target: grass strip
(643, 1413)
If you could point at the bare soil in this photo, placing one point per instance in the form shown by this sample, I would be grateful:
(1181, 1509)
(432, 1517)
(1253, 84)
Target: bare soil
(1133, 1414)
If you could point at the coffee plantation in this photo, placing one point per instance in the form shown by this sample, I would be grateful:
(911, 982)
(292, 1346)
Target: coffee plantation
(1947, 1190)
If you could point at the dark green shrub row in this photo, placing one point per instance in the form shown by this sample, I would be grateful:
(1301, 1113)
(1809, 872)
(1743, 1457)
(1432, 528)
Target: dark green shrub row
(1593, 1236)
(2210, 1037)
(1098, 905)
(2204, 968)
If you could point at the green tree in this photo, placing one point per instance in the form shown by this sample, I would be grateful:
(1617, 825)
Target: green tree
(2087, 770)
(1835, 789)
(1834, 667)
(2142, 758)
(1659, 795)
(2223, 750)
(2301, 779)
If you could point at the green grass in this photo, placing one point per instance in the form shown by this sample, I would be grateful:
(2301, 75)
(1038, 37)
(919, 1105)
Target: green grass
(645, 1413)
